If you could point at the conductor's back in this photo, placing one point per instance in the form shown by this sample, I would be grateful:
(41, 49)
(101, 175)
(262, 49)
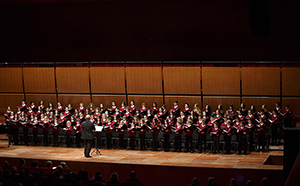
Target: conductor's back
(87, 135)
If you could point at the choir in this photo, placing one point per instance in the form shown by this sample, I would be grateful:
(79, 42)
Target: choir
(143, 127)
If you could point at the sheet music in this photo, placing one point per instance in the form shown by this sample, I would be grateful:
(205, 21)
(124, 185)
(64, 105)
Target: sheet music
(98, 128)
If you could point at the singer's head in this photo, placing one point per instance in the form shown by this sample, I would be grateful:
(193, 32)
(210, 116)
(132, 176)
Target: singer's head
(87, 117)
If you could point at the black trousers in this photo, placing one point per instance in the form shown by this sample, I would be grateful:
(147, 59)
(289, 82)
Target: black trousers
(167, 142)
(178, 143)
(242, 145)
(45, 134)
(202, 138)
(274, 131)
(68, 140)
(87, 147)
(55, 139)
(16, 136)
(227, 144)
(188, 143)
(99, 139)
(78, 139)
(25, 136)
(142, 141)
(216, 144)
(121, 141)
(131, 143)
(251, 142)
(261, 141)
(35, 138)
(108, 140)
(154, 140)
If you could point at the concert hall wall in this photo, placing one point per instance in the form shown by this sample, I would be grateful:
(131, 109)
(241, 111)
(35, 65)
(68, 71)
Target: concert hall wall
(161, 82)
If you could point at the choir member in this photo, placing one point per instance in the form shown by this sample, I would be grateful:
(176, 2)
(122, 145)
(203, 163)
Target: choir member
(67, 114)
(243, 109)
(98, 133)
(127, 114)
(242, 131)
(38, 112)
(115, 121)
(142, 129)
(71, 109)
(160, 114)
(288, 116)
(73, 120)
(261, 131)
(227, 132)
(47, 112)
(45, 126)
(81, 117)
(208, 111)
(165, 111)
(86, 112)
(154, 108)
(188, 129)
(7, 115)
(81, 108)
(35, 129)
(15, 126)
(30, 112)
(215, 133)
(19, 111)
(55, 129)
(138, 114)
(42, 105)
(33, 107)
(132, 107)
(240, 116)
(202, 130)
(211, 123)
(204, 116)
(24, 121)
(56, 114)
(121, 129)
(196, 111)
(97, 113)
(102, 108)
(178, 132)
(183, 117)
(92, 119)
(252, 108)
(220, 109)
(250, 128)
(175, 109)
(166, 128)
(186, 110)
(231, 112)
(91, 109)
(122, 108)
(236, 126)
(78, 130)
(149, 115)
(23, 106)
(68, 131)
(51, 107)
(143, 109)
(274, 122)
(218, 117)
(262, 115)
(118, 114)
(108, 128)
(155, 127)
(113, 108)
(59, 107)
(132, 132)
(62, 120)
(250, 115)
(278, 108)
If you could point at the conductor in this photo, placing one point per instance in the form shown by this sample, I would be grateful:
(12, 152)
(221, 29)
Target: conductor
(87, 136)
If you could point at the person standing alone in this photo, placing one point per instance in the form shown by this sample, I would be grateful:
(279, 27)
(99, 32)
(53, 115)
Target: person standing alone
(87, 135)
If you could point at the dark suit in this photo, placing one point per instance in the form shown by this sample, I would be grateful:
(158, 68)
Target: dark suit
(87, 135)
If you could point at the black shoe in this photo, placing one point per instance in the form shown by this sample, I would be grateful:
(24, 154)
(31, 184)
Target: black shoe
(218, 152)
(264, 150)
(238, 153)
(204, 152)
(121, 148)
(174, 150)
(192, 151)
(88, 156)
(245, 153)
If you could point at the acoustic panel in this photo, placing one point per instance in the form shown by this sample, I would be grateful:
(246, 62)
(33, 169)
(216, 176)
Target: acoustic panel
(107, 100)
(290, 81)
(146, 99)
(107, 79)
(12, 100)
(47, 98)
(74, 99)
(213, 102)
(144, 80)
(259, 101)
(39, 80)
(221, 80)
(181, 80)
(72, 79)
(261, 81)
(11, 80)
(294, 104)
(191, 100)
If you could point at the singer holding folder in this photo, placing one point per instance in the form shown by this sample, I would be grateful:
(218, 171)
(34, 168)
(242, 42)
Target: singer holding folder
(88, 129)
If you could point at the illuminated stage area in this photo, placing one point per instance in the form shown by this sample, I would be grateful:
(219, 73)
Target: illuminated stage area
(168, 168)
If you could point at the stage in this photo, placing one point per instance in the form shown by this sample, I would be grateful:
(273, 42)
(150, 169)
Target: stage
(179, 168)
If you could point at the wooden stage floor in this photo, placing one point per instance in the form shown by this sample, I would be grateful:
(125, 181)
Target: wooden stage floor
(159, 158)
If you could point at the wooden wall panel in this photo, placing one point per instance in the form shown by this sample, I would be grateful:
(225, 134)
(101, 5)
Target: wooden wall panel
(191, 100)
(290, 81)
(261, 81)
(74, 99)
(258, 101)
(47, 98)
(11, 80)
(72, 79)
(225, 101)
(144, 80)
(294, 105)
(146, 99)
(107, 99)
(12, 100)
(181, 80)
(107, 79)
(221, 80)
(39, 80)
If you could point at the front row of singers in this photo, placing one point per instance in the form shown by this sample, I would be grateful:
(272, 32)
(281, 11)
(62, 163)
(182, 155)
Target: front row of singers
(239, 130)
